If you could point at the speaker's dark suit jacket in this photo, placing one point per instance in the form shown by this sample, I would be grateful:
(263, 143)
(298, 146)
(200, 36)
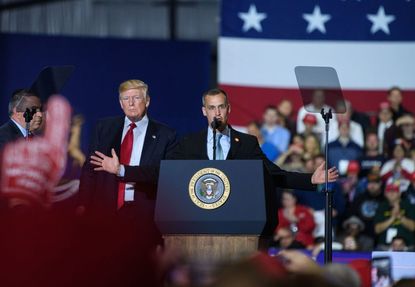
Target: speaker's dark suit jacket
(243, 146)
(99, 189)
(9, 132)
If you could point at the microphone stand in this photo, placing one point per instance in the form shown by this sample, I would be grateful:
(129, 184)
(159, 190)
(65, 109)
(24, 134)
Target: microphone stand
(28, 116)
(328, 253)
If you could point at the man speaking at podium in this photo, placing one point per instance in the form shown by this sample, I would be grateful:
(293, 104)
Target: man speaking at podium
(230, 145)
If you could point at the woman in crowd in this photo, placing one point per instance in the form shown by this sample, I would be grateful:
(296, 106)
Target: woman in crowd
(297, 218)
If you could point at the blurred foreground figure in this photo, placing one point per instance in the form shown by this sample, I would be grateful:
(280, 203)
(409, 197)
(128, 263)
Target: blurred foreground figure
(287, 269)
(31, 169)
(42, 247)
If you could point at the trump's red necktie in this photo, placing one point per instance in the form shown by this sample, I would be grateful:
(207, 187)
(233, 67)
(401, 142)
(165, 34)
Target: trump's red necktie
(126, 149)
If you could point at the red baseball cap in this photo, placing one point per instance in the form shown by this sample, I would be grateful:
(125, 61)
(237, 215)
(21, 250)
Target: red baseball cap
(353, 167)
(310, 119)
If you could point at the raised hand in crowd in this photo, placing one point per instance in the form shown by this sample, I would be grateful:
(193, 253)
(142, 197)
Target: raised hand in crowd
(31, 169)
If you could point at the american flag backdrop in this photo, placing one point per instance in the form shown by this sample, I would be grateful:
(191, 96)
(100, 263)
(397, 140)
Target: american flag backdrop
(370, 43)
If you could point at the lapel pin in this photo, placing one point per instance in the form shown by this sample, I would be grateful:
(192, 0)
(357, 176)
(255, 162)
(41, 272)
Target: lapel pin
(153, 136)
(237, 139)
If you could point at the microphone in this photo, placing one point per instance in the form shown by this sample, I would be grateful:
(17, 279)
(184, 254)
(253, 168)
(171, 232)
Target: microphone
(215, 124)
(28, 114)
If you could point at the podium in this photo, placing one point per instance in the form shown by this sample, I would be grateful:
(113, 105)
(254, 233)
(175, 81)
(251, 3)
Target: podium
(215, 211)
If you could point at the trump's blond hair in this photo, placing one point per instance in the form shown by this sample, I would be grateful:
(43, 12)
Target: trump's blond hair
(133, 84)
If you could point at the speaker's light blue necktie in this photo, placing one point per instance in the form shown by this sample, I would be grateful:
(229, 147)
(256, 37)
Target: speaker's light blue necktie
(219, 151)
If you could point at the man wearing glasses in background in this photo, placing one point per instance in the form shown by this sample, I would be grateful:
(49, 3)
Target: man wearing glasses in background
(16, 127)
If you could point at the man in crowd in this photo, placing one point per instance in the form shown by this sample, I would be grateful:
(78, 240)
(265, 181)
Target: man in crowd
(310, 120)
(16, 127)
(356, 130)
(398, 244)
(384, 123)
(269, 149)
(141, 142)
(394, 216)
(315, 202)
(372, 158)
(353, 238)
(395, 100)
(285, 109)
(404, 131)
(272, 131)
(343, 149)
(318, 102)
(364, 206)
(284, 238)
(360, 117)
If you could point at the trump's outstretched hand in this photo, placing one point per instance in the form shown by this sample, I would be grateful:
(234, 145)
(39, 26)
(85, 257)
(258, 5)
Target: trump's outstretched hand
(106, 163)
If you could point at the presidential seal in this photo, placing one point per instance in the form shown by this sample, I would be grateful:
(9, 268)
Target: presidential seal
(209, 188)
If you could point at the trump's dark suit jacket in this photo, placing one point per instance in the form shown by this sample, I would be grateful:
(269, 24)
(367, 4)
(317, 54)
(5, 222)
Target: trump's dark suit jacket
(9, 132)
(99, 189)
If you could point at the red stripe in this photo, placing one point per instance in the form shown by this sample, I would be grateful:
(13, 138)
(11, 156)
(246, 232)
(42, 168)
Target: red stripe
(248, 103)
